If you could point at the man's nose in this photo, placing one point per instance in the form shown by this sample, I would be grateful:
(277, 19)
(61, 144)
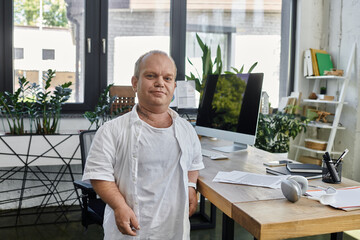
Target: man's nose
(159, 82)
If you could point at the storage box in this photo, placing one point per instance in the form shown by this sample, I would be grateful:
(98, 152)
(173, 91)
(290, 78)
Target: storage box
(315, 144)
(328, 98)
(309, 159)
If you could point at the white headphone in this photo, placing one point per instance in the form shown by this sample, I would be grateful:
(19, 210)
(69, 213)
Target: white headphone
(294, 187)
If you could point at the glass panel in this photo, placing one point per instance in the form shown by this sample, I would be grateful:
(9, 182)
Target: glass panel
(135, 27)
(247, 31)
(50, 34)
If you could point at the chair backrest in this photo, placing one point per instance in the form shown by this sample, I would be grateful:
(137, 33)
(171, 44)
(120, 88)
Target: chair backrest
(86, 138)
(125, 97)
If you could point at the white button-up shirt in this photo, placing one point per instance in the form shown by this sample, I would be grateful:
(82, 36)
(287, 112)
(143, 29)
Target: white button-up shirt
(114, 157)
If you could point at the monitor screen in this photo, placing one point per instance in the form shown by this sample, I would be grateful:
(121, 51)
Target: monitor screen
(229, 108)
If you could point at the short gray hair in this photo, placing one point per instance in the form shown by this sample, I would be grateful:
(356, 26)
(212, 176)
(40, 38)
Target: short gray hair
(138, 62)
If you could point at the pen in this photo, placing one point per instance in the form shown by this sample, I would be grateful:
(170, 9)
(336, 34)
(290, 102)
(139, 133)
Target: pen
(341, 157)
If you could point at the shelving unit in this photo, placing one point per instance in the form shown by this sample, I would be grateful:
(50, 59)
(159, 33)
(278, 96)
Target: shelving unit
(338, 103)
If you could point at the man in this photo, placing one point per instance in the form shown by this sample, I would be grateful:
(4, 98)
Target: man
(145, 164)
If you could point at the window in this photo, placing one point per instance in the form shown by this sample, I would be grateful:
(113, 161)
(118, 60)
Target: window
(94, 43)
(133, 31)
(53, 29)
(18, 53)
(247, 32)
(48, 54)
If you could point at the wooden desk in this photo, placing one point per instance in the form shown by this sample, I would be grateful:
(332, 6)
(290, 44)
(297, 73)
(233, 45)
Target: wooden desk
(264, 212)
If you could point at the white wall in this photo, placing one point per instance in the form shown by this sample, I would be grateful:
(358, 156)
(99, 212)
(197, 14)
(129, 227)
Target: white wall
(334, 26)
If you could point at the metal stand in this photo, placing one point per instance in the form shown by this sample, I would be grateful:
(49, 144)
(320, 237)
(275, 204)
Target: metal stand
(337, 236)
(227, 228)
(38, 193)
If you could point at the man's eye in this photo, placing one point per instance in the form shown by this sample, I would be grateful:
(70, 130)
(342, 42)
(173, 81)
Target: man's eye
(150, 75)
(168, 78)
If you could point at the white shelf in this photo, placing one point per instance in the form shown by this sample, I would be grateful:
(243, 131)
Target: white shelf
(324, 125)
(333, 127)
(322, 101)
(315, 151)
(327, 77)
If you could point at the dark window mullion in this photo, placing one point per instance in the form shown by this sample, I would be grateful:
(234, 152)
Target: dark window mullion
(178, 35)
(6, 56)
(92, 59)
(104, 13)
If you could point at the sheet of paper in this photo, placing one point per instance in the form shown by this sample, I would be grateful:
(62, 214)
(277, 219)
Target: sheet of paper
(346, 198)
(186, 94)
(252, 179)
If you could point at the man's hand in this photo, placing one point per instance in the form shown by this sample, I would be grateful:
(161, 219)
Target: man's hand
(126, 220)
(193, 201)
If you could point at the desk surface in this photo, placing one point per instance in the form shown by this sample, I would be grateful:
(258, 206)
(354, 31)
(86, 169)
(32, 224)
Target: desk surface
(264, 212)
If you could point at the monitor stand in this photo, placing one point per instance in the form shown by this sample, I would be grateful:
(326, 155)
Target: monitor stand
(232, 148)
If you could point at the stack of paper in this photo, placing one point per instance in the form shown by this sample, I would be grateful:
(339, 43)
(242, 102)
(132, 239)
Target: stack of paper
(347, 199)
(252, 179)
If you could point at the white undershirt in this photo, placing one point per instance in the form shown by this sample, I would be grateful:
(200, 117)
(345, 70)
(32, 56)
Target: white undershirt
(160, 184)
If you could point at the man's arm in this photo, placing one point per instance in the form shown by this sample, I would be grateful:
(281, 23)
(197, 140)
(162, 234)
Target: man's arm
(125, 218)
(193, 201)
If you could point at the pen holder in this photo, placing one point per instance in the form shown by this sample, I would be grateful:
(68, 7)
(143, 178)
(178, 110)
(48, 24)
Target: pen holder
(326, 176)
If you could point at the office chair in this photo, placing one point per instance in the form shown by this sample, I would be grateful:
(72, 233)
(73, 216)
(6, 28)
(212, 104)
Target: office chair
(92, 207)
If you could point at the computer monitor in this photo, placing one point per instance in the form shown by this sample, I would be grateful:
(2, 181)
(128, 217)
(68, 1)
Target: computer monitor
(229, 109)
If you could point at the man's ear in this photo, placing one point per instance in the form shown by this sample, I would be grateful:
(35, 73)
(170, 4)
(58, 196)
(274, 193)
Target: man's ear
(134, 82)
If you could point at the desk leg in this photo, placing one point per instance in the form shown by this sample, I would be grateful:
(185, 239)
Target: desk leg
(337, 236)
(227, 228)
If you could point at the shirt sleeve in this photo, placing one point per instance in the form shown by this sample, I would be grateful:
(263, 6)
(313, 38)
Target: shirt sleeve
(99, 163)
(197, 160)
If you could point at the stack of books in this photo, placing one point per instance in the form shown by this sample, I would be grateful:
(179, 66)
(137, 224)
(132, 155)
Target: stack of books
(316, 62)
(310, 171)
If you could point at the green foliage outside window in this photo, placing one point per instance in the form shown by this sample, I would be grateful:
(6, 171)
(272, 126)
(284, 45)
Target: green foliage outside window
(27, 13)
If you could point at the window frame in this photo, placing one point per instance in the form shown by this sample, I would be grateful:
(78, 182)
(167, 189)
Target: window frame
(96, 61)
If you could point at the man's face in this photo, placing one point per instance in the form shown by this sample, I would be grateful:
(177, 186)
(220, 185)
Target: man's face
(156, 84)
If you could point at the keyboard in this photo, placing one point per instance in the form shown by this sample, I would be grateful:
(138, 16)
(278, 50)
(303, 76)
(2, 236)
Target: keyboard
(213, 154)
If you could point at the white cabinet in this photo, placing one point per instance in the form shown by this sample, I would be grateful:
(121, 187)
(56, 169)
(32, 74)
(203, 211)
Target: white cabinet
(337, 104)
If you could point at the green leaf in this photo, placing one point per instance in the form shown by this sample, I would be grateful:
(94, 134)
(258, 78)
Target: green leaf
(252, 67)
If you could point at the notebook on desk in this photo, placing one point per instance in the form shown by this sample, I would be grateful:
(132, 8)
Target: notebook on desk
(282, 170)
(302, 168)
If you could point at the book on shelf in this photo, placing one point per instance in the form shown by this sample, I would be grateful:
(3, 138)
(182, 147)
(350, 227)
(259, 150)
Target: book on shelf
(306, 167)
(324, 63)
(314, 60)
(308, 65)
(282, 170)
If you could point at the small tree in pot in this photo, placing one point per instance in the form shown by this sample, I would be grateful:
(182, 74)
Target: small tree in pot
(275, 130)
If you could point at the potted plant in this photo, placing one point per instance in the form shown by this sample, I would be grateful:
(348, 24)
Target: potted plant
(275, 130)
(42, 106)
(103, 111)
(209, 67)
(33, 155)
